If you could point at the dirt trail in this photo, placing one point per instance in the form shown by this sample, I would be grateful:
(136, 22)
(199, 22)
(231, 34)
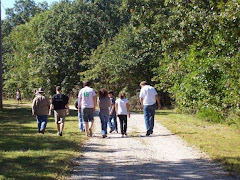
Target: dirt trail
(159, 156)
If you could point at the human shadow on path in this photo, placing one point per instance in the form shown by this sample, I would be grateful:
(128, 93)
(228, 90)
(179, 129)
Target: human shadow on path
(129, 167)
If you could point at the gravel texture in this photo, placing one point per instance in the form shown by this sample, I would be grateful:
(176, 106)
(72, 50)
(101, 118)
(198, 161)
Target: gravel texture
(162, 155)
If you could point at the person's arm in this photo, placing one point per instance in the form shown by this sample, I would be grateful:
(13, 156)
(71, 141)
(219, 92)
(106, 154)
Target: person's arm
(34, 108)
(94, 102)
(128, 110)
(79, 104)
(112, 108)
(67, 111)
(76, 103)
(141, 101)
(50, 110)
(116, 108)
(98, 102)
(158, 101)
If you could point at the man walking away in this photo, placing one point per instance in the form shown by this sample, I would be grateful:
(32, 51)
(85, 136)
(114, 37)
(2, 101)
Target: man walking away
(40, 108)
(86, 105)
(148, 97)
(61, 109)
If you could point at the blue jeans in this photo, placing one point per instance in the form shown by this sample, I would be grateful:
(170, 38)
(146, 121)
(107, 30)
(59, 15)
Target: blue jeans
(104, 121)
(149, 112)
(114, 124)
(80, 122)
(42, 122)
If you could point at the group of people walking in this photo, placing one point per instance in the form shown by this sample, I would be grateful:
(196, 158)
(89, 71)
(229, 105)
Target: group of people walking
(42, 108)
(109, 109)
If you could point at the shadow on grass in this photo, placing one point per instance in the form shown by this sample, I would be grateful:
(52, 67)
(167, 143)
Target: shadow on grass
(26, 154)
(26, 167)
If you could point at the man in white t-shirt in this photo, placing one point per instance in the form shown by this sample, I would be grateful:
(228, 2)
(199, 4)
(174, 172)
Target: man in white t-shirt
(148, 97)
(86, 105)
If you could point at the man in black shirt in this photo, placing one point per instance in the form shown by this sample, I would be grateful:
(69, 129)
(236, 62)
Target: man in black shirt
(61, 109)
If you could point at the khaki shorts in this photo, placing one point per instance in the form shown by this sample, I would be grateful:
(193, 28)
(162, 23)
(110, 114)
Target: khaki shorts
(59, 116)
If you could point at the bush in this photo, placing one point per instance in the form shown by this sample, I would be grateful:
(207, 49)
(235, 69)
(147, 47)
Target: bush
(210, 114)
(134, 103)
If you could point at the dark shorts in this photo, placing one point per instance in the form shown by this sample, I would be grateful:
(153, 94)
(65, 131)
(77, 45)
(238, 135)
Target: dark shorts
(60, 116)
(87, 114)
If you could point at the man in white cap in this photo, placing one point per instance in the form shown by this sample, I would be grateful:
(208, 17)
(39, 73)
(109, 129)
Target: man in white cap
(40, 109)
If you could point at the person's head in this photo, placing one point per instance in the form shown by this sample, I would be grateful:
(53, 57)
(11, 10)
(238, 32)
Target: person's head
(86, 83)
(122, 95)
(143, 83)
(102, 93)
(40, 91)
(58, 89)
(110, 93)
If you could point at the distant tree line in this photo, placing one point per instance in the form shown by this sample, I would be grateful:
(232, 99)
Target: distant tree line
(186, 48)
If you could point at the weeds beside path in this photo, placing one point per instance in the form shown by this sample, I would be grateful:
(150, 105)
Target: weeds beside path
(27, 154)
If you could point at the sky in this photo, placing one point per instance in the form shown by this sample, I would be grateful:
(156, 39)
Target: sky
(10, 3)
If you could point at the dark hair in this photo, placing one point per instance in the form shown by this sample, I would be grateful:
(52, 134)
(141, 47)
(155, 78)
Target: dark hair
(110, 92)
(102, 93)
(86, 83)
(58, 88)
(122, 95)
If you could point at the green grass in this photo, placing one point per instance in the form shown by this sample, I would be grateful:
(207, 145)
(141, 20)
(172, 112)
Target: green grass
(27, 154)
(220, 141)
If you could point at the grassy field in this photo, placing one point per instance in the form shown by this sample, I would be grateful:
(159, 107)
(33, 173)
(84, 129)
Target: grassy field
(220, 141)
(27, 154)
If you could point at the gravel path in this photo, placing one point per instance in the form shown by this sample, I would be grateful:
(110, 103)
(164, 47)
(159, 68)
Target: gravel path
(159, 156)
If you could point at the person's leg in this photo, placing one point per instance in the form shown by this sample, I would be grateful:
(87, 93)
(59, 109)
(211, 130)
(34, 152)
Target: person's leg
(115, 122)
(44, 123)
(91, 120)
(106, 117)
(38, 123)
(146, 117)
(86, 128)
(101, 116)
(80, 122)
(121, 124)
(125, 124)
(61, 128)
(151, 117)
(110, 125)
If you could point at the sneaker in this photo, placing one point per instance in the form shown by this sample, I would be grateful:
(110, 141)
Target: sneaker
(90, 132)
(111, 130)
(147, 134)
(104, 136)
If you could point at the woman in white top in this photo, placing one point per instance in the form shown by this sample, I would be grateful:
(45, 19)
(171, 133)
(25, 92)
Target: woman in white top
(122, 110)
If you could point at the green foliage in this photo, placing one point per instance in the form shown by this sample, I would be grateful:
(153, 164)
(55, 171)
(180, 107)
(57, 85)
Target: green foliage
(187, 48)
(210, 114)
(48, 50)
